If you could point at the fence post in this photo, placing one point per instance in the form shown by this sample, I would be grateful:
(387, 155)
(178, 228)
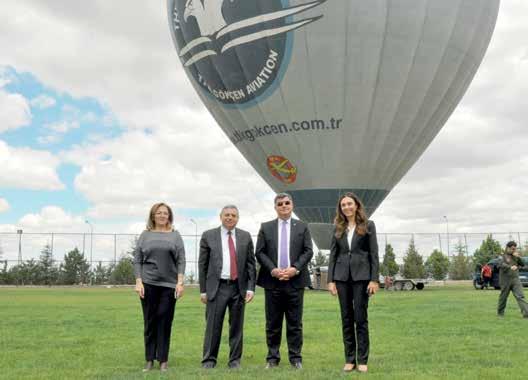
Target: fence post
(19, 232)
(52, 240)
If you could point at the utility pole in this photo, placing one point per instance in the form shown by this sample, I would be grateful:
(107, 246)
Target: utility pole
(19, 232)
(195, 249)
(91, 249)
(447, 229)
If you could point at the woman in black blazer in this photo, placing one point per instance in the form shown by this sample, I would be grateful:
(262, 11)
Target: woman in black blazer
(353, 275)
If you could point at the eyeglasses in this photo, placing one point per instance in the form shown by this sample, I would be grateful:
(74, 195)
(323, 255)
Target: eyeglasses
(286, 203)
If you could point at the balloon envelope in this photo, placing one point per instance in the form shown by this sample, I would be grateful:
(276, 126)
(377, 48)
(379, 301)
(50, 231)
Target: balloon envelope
(323, 97)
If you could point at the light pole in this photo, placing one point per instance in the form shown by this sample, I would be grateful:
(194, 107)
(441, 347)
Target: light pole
(91, 246)
(195, 248)
(447, 229)
(19, 232)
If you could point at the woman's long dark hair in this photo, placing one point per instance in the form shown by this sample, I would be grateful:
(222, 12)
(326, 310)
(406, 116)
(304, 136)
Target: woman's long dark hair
(341, 221)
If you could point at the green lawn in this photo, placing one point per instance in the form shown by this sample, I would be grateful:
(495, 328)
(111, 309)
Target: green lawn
(438, 333)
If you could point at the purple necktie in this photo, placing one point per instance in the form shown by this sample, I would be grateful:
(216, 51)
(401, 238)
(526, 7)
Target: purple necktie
(284, 246)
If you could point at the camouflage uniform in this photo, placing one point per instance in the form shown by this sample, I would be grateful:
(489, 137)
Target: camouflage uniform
(509, 281)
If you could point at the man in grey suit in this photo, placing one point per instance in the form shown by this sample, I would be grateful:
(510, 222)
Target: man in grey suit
(227, 281)
(284, 249)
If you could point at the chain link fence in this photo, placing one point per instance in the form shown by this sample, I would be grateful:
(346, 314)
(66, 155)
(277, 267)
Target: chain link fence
(109, 248)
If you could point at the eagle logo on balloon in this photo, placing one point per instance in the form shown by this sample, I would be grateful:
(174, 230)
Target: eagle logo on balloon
(235, 49)
(213, 26)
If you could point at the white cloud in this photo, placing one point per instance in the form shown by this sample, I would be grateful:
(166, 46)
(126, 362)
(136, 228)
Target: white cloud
(53, 218)
(89, 117)
(57, 129)
(62, 126)
(4, 205)
(25, 168)
(168, 165)
(43, 101)
(473, 172)
(14, 111)
(49, 139)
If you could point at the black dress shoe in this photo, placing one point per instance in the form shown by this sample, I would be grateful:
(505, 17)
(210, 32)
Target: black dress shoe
(271, 365)
(234, 365)
(208, 365)
(148, 366)
(297, 365)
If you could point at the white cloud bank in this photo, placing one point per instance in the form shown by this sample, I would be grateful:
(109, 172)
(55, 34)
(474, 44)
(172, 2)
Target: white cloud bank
(24, 168)
(14, 111)
(474, 172)
(43, 101)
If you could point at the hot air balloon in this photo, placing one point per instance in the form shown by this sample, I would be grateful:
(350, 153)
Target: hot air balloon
(323, 97)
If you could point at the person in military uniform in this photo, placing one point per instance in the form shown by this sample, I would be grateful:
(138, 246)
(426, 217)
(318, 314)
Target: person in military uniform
(509, 264)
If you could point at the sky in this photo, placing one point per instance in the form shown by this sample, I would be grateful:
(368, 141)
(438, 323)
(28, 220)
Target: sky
(98, 121)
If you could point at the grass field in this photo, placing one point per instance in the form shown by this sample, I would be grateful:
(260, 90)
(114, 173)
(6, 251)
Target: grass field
(438, 333)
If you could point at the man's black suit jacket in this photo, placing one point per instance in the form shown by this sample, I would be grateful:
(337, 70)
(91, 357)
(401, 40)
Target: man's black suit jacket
(360, 260)
(210, 262)
(267, 250)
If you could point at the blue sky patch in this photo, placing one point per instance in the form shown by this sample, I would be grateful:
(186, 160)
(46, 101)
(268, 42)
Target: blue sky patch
(59, 121)
(58, 126)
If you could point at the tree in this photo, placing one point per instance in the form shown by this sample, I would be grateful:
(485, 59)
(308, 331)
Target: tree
(437, 265)
(461, 265)
(489, 249)
(133, 247)
(48, 272)
(524, 249)
(320, 260)
(25, 273)
(389, 267)
(3, 263)
(190, 278)
(100, 274)
(4, 274)
(75, 269)
(413, 266)
(123, 272)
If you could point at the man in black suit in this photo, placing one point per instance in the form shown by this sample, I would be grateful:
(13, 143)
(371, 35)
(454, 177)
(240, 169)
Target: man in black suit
(284, 249)
(227, 280)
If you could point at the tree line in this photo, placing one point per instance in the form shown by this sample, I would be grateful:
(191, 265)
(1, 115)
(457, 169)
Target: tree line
(75, 268)
(460, 266)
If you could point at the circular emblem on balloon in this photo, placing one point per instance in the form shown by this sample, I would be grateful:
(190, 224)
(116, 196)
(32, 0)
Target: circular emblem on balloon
(282, 169)
(235, 49)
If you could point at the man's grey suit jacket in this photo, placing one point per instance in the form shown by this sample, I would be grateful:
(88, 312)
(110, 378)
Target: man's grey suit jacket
(210, 262)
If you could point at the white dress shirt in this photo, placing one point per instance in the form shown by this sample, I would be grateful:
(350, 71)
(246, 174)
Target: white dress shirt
(350, 235)
(226, 257)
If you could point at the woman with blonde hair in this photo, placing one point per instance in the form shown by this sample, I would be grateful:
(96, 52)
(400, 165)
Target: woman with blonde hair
(159, 266)
(353, 275)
